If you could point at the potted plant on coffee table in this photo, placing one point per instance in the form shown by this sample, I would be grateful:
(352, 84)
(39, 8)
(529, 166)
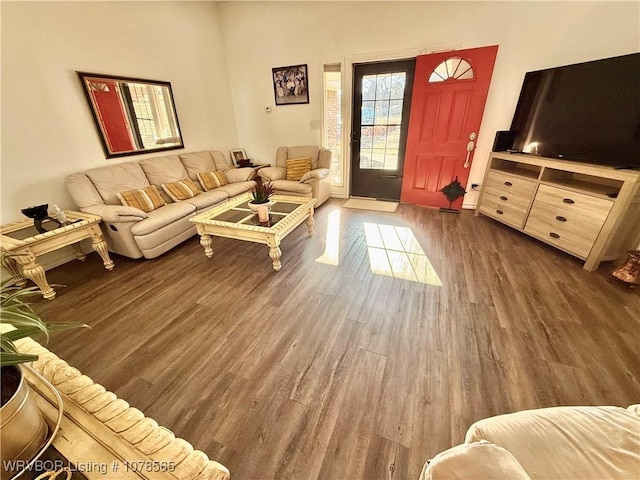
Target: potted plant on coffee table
(23, 431)
(261, 196)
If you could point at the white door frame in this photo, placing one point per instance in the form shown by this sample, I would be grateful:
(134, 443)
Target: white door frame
(346, 66)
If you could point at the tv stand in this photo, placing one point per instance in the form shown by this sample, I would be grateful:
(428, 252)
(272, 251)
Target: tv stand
(589, 211)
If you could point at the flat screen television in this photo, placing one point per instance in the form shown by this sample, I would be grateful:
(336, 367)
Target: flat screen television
(588, 112)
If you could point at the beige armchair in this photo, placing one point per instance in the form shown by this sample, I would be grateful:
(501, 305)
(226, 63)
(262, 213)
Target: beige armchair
(315, 183)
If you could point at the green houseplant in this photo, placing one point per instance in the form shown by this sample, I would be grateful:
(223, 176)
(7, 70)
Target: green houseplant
(23, 430)
(261, 195)
(262, 192)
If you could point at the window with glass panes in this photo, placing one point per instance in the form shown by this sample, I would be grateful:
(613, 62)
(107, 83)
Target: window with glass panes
(382, 106)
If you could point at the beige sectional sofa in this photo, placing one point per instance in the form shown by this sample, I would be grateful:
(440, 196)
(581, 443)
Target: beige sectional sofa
(132, 232)
(315, 184)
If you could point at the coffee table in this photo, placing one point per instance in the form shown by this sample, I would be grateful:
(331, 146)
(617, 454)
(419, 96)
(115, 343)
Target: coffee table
(234, 220)
(25, 244)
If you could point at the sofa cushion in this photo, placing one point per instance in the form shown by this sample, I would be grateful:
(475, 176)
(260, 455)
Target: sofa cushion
(221, 161)
(297, 168)
(285, 153)
(286, 187)
(567, 442)
(109, 181)
(161, 170)
(478, 460)
(82, 190)
(181, 190)
(237, 188)
(208, 199)
(211, 180)
(197, 162)
(145, 199)
(162, 217)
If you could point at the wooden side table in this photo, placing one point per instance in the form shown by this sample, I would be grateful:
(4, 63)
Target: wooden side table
(25, 244)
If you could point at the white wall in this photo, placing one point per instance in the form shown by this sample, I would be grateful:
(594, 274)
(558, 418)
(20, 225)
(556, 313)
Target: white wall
(531, 35)
(47, 128)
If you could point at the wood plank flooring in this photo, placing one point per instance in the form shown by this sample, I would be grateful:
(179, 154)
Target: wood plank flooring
(332, 372)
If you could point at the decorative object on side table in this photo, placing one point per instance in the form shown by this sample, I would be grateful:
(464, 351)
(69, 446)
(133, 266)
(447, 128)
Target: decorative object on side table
(239, 157)
(261, 196)
(290, 84)
(629, 273)
(39, 214)
(453, 191)
(23, 431)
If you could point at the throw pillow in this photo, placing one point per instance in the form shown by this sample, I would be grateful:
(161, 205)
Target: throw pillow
(297, 167)
(146, 199)
(211, 180)
(181, 190)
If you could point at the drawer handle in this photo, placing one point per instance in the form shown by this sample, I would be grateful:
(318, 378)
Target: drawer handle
(554, 235)
(504, 198)
(568, 200)
(499, 212)
(561, 219)
(508, 184)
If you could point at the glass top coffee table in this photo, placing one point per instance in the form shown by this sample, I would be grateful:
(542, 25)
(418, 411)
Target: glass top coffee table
(234, 220)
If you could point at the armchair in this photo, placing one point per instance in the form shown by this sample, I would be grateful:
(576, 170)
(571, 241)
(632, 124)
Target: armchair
(315, 184)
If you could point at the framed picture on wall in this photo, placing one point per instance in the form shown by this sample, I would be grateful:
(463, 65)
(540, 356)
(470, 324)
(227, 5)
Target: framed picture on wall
(290, 85)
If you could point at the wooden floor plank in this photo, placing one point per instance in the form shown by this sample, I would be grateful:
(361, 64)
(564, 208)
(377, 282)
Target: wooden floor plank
(332, 371)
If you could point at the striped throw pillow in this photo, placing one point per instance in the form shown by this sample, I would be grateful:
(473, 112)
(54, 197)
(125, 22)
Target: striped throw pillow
(211, 180)
(181, 190)
(297, 167)
(146, 199)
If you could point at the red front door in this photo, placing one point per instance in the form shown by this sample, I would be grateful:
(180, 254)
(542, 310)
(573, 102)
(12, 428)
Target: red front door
(449, 93)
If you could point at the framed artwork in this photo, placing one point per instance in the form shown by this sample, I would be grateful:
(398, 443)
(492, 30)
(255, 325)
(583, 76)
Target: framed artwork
(290, 85)
(237, 155)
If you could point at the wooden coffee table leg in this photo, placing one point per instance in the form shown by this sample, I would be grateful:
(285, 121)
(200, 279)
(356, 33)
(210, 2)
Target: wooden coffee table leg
(78, 252)
(206, 242)
(310, 222)
(34, 272)
(274, 252)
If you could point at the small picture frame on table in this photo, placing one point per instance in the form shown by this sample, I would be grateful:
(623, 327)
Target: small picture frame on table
(239, 157)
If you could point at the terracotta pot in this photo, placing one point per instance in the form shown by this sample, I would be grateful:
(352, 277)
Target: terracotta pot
(254, 206)
(23, 430)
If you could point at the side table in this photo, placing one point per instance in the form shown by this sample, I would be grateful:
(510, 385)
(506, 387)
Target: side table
(23, 241)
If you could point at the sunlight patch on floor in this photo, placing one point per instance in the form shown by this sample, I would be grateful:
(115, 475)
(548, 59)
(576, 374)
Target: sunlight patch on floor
(331, 255)
(395, 252)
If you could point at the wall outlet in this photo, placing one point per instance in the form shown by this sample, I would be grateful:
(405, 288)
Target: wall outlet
(315, 124)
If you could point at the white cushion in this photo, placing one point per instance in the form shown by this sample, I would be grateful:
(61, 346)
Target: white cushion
(567, 442)
(478, 461)
(161, 170)
(109, 181)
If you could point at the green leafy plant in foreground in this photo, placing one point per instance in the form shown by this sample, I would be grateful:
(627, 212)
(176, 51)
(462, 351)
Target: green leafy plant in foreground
(16, 313)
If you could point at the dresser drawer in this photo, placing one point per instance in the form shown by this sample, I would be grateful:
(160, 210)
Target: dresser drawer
(507, 198)
(571, 221)
(575, 203)
(510, 185)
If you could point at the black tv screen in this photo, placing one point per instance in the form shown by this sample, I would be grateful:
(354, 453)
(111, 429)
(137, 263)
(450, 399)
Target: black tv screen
(588, 112)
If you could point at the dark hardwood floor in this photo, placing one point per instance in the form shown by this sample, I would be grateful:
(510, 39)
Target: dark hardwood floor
(332, 372)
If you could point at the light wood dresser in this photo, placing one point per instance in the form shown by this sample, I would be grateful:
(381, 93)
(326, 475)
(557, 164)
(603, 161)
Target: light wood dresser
(589, 211)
